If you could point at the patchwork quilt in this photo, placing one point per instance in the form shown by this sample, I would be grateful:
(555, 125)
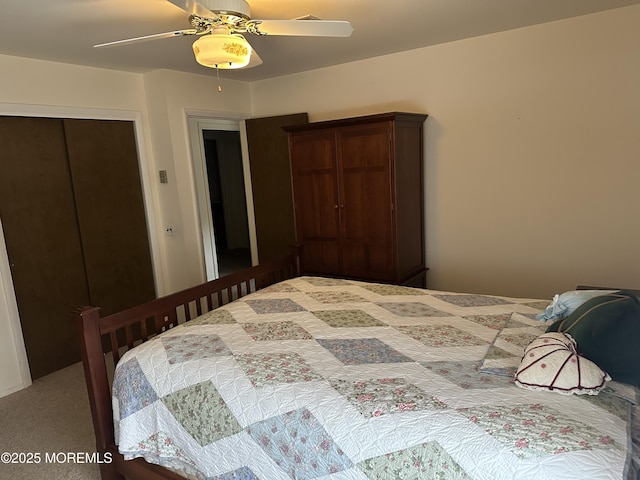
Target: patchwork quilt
(335, 379)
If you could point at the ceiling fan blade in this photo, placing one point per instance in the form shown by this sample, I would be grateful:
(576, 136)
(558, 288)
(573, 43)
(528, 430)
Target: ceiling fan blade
(306, 28)
(155, 36)
(193, 7)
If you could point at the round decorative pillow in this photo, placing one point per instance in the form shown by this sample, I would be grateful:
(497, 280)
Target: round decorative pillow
(551, 362)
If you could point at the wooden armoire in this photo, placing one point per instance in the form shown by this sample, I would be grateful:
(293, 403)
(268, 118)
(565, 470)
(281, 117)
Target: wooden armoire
(359, 198)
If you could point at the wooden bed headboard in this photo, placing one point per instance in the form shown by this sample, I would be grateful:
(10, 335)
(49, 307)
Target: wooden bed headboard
(589, 287)
(108, 337)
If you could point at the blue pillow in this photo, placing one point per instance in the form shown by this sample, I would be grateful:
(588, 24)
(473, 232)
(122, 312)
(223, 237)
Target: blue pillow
(565, 304)
(607, 332)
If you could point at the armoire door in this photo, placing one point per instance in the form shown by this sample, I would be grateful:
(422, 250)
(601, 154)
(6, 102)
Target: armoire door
(70, 204)
(366, 217)
(314, 173)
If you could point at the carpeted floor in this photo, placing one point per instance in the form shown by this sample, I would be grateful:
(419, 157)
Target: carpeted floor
(50, 420)
(49, 423)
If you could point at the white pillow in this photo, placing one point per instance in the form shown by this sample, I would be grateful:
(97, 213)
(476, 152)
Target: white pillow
(551, 362)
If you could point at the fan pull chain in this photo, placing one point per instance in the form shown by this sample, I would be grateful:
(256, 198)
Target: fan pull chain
(218, 77)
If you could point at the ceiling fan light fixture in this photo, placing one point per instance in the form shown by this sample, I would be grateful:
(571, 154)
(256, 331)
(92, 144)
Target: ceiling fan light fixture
(222, 50)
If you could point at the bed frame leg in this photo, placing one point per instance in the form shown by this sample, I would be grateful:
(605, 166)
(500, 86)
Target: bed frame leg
(108, 472)
(87, 319)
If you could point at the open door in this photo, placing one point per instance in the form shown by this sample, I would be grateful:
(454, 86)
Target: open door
(221, 187)
(268, 146)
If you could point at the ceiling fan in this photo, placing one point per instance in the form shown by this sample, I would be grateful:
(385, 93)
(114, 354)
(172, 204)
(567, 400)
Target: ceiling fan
(219, 24)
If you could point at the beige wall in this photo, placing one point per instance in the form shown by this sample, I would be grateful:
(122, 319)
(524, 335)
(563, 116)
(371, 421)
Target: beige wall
(159, 104)
(532, 144)
(531, 153)
(172, 98)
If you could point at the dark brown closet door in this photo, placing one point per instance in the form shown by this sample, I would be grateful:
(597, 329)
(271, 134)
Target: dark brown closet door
(104, 165)
(268, 146)
(74, 223)
(38, 215)
(317, 204)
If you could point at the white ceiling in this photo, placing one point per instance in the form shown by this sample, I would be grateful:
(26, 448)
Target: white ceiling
(66, 30)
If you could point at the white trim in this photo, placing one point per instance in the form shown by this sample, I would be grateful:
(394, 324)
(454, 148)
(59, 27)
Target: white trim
(54, 111)
(8, 301)
(248, 190)
(196, 126)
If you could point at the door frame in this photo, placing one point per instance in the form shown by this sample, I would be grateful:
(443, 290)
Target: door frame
(7, 294)
(196, 126)
(9, 306)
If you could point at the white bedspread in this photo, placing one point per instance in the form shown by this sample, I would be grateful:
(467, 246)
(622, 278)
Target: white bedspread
(321, 378)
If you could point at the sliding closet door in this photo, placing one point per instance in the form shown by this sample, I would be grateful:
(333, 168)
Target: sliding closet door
(103, 160)
(37, 209)
(74, 222)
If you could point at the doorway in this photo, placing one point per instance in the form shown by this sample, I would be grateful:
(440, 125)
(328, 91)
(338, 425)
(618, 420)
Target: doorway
(222, 195)
(223, 158)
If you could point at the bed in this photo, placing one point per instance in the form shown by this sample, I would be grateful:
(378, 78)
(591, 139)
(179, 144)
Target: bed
(270, 374)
